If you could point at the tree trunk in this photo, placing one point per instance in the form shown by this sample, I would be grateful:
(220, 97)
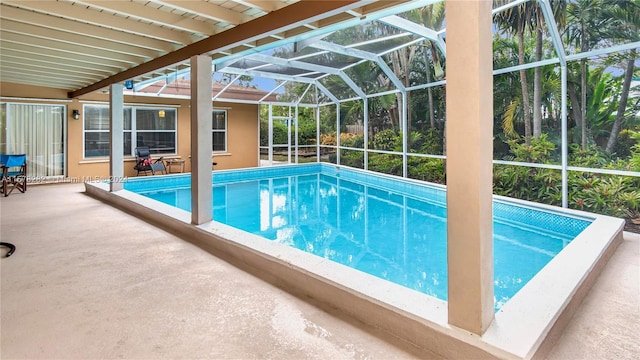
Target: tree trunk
(537, 89)
(407, 110)
(397, 70)
(622, 106)
(583, 84)
(525, 90)
(583, 108)
(575, 104)
(444, 129)
(407, 82)
(432, 118)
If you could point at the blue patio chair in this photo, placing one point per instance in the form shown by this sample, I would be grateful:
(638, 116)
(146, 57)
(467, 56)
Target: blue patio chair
(14, 173)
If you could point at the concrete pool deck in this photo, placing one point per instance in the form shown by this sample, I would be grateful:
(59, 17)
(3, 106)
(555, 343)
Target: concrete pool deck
(89, 281)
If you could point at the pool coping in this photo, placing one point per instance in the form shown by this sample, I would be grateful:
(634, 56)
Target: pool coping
(525, 327)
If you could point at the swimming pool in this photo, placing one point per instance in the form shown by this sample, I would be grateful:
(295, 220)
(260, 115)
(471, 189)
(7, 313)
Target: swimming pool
(524, 327)
(369, 223)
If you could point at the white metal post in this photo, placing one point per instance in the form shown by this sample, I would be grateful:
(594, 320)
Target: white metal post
(297, 120)
(338, 133)
(564, 150)
(366, 133)
(270, 142)
(407, 133)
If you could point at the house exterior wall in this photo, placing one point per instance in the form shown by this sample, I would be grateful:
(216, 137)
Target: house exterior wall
(242, 129)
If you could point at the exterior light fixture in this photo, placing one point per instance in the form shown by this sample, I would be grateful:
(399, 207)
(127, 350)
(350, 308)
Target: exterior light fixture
(161, 113)
(128, 84)
(76, 114)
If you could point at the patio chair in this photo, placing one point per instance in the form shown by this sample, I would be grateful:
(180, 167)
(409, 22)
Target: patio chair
(14, 173)
(145, 163)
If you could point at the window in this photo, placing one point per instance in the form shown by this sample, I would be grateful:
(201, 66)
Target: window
(38, 131)
(155, 128)
(219, 131)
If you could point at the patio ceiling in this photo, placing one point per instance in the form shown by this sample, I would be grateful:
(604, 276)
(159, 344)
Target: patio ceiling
(85, 45)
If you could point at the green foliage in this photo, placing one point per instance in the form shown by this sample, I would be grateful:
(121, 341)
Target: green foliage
(306, 133)
(533, 184)
(353, 158)
(635, 151)
(539, 151)
(604, 194)
(280, 133)
(509, 119)
(386, 163)
(353, 142)
(593, 156)
(432, 142)
(626, 142)
(426, 169)
(385, 140)
(599, 193)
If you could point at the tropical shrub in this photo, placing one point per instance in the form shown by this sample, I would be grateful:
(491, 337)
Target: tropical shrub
(386, 163)
(604, 194)
(599, 193)
(634, 163)
(431, 142)
(385, 140)
(538, 151)
(280, 133)
(351, 140)
(426, 169)
(353, 158)
(306, 133)
(593, 156)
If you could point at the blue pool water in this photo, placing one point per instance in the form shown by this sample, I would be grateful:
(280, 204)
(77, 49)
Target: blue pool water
(392, 229)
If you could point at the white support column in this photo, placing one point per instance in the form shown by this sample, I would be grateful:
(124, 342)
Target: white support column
(201, 141)
(317, 113)
(469, 164)
(366, 133)
(297, 121)
(338, 134)
(116, 131)
(564, 150)
(406, 135)
(289, 136)
(270, 141)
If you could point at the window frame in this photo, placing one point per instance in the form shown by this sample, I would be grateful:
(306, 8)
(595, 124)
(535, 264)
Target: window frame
(131, 130)
(225, 130)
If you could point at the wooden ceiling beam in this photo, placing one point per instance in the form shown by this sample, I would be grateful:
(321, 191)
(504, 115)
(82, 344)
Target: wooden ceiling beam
(278, 21)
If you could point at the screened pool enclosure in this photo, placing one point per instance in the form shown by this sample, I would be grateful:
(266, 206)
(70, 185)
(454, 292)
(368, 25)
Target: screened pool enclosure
(370, 93)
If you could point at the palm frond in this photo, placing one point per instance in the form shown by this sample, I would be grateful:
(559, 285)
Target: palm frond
(509, 118)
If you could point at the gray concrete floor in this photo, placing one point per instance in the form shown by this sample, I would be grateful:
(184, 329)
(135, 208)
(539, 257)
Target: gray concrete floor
(89, 281)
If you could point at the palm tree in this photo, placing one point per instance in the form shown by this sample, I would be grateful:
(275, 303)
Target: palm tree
(626, 17)
(432, 17)
(538, 23)
(516, 20)
(585, 23)
(507, 102)
(401, 64)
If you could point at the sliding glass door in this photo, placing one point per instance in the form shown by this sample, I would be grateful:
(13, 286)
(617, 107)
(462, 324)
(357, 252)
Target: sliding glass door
(35, 130)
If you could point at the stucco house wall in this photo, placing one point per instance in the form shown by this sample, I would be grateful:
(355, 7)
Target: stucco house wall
(242, 129)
